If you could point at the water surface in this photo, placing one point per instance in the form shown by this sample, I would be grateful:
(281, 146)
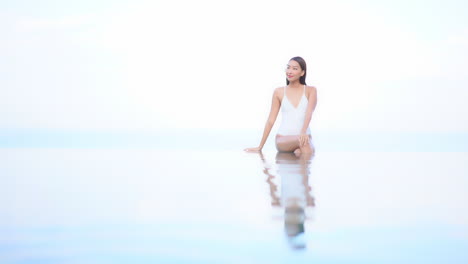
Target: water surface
(190, 206)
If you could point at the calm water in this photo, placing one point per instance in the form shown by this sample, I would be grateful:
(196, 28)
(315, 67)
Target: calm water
(187, 206)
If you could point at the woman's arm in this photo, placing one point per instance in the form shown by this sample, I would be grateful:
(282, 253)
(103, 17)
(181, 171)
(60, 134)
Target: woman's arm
(312, 98)
(275, 106)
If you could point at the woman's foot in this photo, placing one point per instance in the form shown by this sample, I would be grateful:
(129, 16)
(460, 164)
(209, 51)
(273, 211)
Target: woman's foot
(297, 152)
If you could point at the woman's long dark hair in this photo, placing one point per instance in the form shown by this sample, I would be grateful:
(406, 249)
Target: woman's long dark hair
(303, 65)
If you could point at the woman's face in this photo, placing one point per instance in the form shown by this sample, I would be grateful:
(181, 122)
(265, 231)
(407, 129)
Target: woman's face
(293, 71)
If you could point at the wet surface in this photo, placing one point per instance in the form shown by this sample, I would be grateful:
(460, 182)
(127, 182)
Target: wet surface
(147, 206)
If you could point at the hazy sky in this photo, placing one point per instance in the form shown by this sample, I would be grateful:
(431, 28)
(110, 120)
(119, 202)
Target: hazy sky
(149, 65)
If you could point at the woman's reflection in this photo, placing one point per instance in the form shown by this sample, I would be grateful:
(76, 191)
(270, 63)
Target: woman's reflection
(295, 192)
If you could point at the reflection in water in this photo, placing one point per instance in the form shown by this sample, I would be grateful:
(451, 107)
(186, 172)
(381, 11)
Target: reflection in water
(295, 192)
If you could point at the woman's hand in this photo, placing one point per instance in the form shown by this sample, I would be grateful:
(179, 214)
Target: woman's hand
(303, 139)
(257, 149)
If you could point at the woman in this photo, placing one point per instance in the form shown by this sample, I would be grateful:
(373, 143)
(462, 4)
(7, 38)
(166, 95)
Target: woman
(297, 102)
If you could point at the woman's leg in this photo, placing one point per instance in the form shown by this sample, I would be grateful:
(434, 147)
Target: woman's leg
(307, 147)
(291, 144)
(287, 143)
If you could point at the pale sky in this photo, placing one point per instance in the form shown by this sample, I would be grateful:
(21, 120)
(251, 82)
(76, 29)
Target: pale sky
(150, 65)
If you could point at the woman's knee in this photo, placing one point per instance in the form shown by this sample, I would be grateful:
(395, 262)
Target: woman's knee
(307, 148)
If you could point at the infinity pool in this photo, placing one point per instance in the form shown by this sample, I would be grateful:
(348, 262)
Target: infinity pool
(188, 206)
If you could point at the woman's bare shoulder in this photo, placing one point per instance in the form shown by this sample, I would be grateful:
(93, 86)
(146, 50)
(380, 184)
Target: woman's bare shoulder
(278, 91)
(311, 88)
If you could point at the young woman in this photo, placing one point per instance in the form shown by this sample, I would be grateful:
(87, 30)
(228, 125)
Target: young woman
(297, 102)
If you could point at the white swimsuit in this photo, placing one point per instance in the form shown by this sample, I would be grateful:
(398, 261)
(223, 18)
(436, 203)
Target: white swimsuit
(292, 117)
